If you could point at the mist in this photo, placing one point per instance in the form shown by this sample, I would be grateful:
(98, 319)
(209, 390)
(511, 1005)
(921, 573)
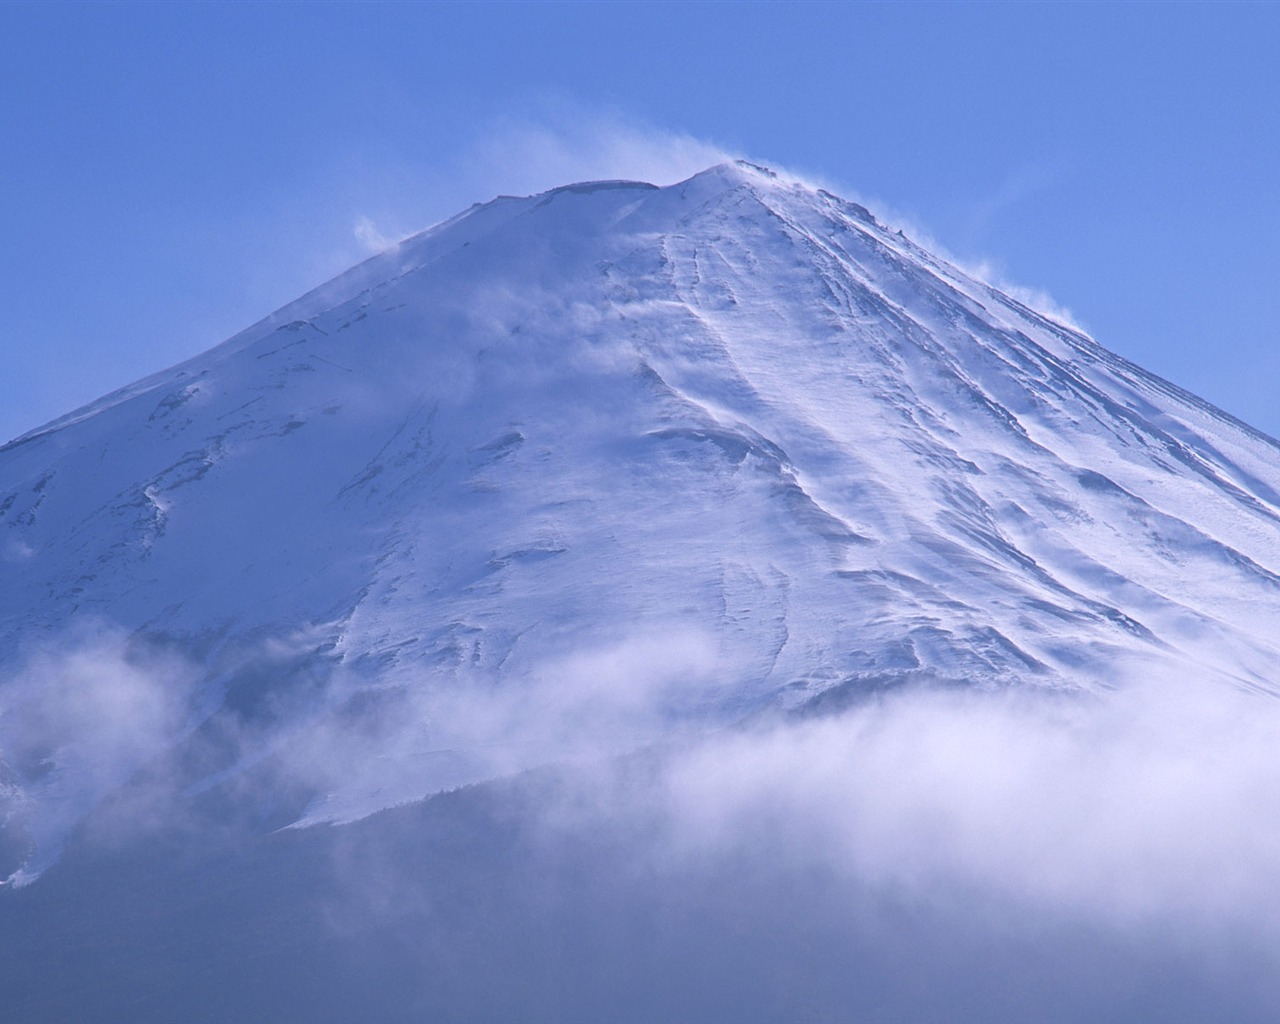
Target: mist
(930, 854)
(933, 853)
(577, 843)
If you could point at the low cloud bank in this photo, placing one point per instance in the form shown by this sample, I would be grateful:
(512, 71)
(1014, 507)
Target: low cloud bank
(1156, 801)
(909, 856)
(1159, 802)
(931, 855)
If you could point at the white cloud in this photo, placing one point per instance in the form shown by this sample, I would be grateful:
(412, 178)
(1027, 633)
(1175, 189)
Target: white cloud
(1148, 815)
(432, 734)
(948, 855)
(77, 720)
(1154, 805)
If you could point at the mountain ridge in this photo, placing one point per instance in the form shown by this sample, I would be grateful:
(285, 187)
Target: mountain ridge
(566, 473)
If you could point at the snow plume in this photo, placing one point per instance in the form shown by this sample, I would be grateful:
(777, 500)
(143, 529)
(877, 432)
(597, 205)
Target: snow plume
(1038, 299)
(77, 720)
(557, 142)
(566, 142)
(369, 236)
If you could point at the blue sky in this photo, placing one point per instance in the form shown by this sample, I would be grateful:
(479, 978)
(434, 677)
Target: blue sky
(171, 173)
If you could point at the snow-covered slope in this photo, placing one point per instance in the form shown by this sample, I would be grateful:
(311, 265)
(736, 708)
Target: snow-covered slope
(570, 471)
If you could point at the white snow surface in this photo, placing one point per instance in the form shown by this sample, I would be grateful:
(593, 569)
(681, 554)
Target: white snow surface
(570, 472)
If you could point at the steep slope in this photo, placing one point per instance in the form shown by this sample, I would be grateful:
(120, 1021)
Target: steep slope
(569, 472)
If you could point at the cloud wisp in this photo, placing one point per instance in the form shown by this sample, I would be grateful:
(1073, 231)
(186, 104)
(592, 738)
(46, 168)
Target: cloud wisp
(77, 720)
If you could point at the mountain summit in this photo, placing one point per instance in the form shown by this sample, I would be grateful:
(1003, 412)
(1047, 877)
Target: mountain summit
(567, 473)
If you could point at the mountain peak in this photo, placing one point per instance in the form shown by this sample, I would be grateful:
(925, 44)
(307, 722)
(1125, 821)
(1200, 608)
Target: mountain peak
(701, 456)
(739, 171)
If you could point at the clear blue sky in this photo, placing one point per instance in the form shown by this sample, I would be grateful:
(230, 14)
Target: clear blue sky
(170, 173)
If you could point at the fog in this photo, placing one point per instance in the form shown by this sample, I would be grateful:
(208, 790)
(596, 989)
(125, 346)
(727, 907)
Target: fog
(943, 854)
(1156, 800)
(597, 847)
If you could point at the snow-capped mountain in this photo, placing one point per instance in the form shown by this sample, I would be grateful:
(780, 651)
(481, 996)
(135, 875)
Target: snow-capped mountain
(570, 472)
